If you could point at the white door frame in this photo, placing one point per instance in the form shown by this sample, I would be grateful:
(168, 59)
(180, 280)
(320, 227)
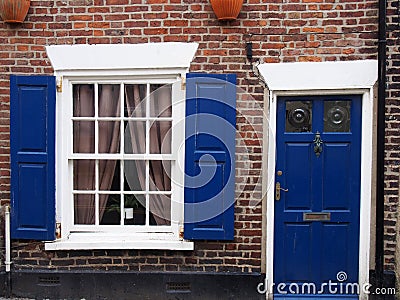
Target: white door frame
(340, 78)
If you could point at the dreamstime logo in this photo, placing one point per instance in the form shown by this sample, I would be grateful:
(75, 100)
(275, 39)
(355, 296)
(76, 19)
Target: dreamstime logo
(245, 149)
(341, 276)
(331, 287)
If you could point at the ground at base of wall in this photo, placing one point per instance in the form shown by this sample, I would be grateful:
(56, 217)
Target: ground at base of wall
(135, 285)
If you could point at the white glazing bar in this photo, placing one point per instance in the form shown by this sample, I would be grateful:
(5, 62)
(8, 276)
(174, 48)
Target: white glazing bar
(147, 118)
(96, 150)
(121, 151)
(96, 197)
(125, 118)
(147, 193)
(99, 192)
(83, 192)
(96, 115)
(116, 156)
(147, 152)
(71, 122)
(93, 118)
(71, 151)
(122, 181)
(122, 128)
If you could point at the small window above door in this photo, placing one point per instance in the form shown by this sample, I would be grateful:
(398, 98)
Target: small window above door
(337, 116)
(298, 116)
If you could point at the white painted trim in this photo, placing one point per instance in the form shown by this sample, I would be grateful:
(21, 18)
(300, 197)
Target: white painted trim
(300, 76)
(365, 193)
(289, 87)
(81, 241)
(121, 56)
(64, 207)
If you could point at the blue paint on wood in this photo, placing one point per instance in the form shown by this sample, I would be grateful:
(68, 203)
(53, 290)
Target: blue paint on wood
(210, 131)
(32, 138)
(315, 252)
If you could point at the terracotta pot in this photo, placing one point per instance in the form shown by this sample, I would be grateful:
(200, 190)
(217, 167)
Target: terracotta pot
(226, 9)
(14, 11)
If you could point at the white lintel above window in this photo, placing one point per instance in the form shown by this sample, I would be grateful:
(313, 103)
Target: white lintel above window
(169, 58)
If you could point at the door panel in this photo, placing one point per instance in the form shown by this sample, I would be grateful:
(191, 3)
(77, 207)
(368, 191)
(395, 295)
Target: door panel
(317, 182)
(334, 249)
(298, 251)
(335, 176)
(298, 170)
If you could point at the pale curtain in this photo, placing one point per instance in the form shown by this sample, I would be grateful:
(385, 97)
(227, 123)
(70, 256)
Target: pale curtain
(109, 131)
(160, 142)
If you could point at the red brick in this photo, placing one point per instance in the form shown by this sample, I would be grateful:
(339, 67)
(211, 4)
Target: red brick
(99, 25)
(117, 2)
(80, 18)
(155, 31)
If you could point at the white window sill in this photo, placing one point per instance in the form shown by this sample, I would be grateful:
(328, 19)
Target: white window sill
(89, 241)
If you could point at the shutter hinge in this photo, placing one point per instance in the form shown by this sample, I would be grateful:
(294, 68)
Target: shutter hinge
(58, 230)
(59, 84)
(181, 233)
(183, 83)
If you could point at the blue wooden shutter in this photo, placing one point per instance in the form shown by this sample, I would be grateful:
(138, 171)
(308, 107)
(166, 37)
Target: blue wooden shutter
(210, 131)
(32, 137)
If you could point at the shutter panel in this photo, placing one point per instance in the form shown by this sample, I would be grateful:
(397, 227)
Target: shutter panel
(32, 139)
(210, 131)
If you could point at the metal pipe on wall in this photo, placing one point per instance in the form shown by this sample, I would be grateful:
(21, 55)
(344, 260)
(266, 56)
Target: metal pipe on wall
(380, 169)
(7, 261)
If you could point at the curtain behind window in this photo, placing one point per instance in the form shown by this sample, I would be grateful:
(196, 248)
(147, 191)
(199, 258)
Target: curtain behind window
(109, 132)
(160, 142)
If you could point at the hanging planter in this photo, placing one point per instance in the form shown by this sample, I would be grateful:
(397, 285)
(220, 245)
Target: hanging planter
(226, 9)
(14, 11)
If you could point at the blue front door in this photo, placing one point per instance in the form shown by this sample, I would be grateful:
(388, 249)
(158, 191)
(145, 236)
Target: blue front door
(317, 195)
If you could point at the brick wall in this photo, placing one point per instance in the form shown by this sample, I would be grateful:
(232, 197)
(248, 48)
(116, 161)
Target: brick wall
(281, 31)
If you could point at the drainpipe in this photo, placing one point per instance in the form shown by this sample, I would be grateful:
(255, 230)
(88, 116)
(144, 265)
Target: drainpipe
(7, 237)
(7, 240)
(380, 170)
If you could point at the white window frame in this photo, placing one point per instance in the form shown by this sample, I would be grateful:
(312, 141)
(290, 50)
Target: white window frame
(163, 63)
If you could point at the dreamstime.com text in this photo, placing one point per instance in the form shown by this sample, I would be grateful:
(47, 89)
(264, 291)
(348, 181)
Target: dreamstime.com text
(337, 287)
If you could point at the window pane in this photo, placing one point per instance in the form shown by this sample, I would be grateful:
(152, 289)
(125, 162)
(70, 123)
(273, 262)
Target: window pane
(298, 116)
(160, 137)
(135, 137)
(160, 175)
(160, 100)
(135, 175)
(109, 139)
(110, 209)
(337, 116)
(160, 209)
(122, 188)
(84, 175)
(109, 100)
(83, 136)
(135, 105)
(109, 175)
(83, 102)
(134, 209)
(84, 206)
